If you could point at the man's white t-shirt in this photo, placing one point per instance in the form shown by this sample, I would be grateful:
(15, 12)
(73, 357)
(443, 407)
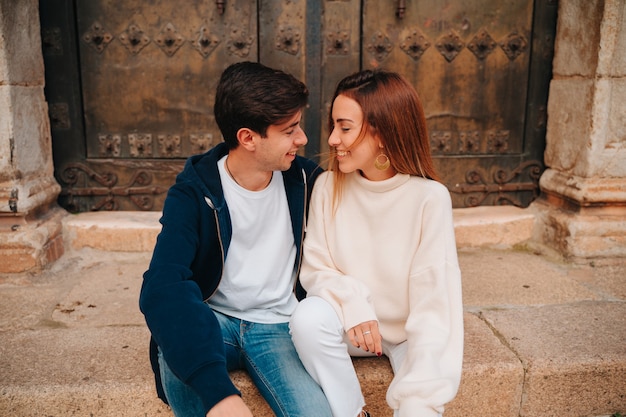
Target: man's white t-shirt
(259, 272)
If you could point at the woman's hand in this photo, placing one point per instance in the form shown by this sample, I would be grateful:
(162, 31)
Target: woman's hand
(366, 336)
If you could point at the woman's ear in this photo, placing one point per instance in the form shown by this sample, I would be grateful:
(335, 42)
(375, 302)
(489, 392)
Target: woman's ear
(379, 141)
(373, 132)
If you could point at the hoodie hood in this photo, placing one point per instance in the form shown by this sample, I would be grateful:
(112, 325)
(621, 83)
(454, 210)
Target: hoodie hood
(201, 170)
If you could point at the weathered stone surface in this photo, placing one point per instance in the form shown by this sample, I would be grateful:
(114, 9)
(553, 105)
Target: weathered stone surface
(55, 354)
(29, 236)
(574, 356)
(24, 140)
(21, 61)
(597, 233)
(612, 159)
(612, 56)
(543, 335)
(570, 113)
(493, 376)
(509, 279)
(491, 384)
(578, 38)
(121, 231)
(94, 400)
(586, 134)
(498, 226)
(63, 371)
(6, 145)
(605, 278)
(585, 192)
(582, 212)
(30, 245)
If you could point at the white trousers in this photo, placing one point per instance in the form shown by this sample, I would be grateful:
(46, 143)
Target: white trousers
(326, 351)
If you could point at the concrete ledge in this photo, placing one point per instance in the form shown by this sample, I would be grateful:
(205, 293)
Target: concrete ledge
(496, 226)
(101, 400)
(131, 231)
(117, 231)
(591, 233)
(492, 379)
(542, 338)
(574, 356)
(105, 372)
(31, 245)
(491, 384)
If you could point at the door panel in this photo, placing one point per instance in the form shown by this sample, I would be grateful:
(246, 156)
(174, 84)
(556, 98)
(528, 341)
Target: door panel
(469, 61)
(149, 73)
(141, 94)
(481, 68)
(283, 35)
(130, 84)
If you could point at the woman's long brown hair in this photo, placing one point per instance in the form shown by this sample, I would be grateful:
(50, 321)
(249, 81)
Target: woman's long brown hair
(393, 109)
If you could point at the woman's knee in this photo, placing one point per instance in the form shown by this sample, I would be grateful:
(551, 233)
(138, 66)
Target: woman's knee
(313, 316)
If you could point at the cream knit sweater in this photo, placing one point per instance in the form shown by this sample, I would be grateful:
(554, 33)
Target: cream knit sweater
(388, 253)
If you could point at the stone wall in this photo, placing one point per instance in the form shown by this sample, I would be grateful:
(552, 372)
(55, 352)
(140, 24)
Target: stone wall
(582, 213)
(30, 229)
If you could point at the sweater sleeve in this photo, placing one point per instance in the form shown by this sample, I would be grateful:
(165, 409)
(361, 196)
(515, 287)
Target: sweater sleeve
(182, 325)
(430, 374)
(319, 275)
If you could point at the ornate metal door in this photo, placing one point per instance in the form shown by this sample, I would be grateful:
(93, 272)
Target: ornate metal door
(130, 84)
(482, 69)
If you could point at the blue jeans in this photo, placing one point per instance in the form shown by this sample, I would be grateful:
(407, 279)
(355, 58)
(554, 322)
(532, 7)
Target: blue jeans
(267, 353)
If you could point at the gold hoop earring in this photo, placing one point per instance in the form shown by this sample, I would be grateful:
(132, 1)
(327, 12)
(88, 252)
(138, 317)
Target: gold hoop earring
(382, 165)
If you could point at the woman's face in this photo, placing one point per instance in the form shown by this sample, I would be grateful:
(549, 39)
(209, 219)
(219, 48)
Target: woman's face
(347, 119)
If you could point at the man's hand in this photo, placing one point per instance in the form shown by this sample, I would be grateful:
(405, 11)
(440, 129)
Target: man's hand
(366, 336)
(232, 406)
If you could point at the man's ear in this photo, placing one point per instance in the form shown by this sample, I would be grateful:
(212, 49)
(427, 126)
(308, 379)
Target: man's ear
(246, 136)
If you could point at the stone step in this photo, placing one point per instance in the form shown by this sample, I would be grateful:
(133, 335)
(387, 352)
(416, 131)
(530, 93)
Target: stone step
(499, 227)
(542, 337)
(104, 372)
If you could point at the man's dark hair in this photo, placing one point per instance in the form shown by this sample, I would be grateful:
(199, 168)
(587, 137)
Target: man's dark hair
(254, 96)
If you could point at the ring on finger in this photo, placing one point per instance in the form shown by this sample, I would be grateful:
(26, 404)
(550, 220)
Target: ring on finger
(366, 332)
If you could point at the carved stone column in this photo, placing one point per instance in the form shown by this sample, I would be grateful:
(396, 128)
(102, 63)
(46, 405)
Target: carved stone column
(30, 221)
(582, 212)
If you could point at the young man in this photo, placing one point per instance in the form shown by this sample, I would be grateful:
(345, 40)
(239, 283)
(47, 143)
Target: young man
(222, 282)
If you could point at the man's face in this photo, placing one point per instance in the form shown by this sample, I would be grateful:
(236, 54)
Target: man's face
(278, 149)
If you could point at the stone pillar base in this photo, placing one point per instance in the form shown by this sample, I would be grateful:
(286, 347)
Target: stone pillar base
(581, 218)
(29, 244)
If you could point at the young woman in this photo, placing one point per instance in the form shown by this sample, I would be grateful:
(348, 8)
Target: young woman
(380, 264)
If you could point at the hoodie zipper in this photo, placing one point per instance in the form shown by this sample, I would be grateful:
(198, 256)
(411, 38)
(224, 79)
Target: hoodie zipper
(219, 238)
(304, 212)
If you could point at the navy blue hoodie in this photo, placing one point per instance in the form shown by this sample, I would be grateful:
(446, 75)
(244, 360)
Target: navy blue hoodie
(186, 268)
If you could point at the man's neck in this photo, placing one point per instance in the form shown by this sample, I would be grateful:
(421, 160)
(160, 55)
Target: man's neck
(245, 173)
